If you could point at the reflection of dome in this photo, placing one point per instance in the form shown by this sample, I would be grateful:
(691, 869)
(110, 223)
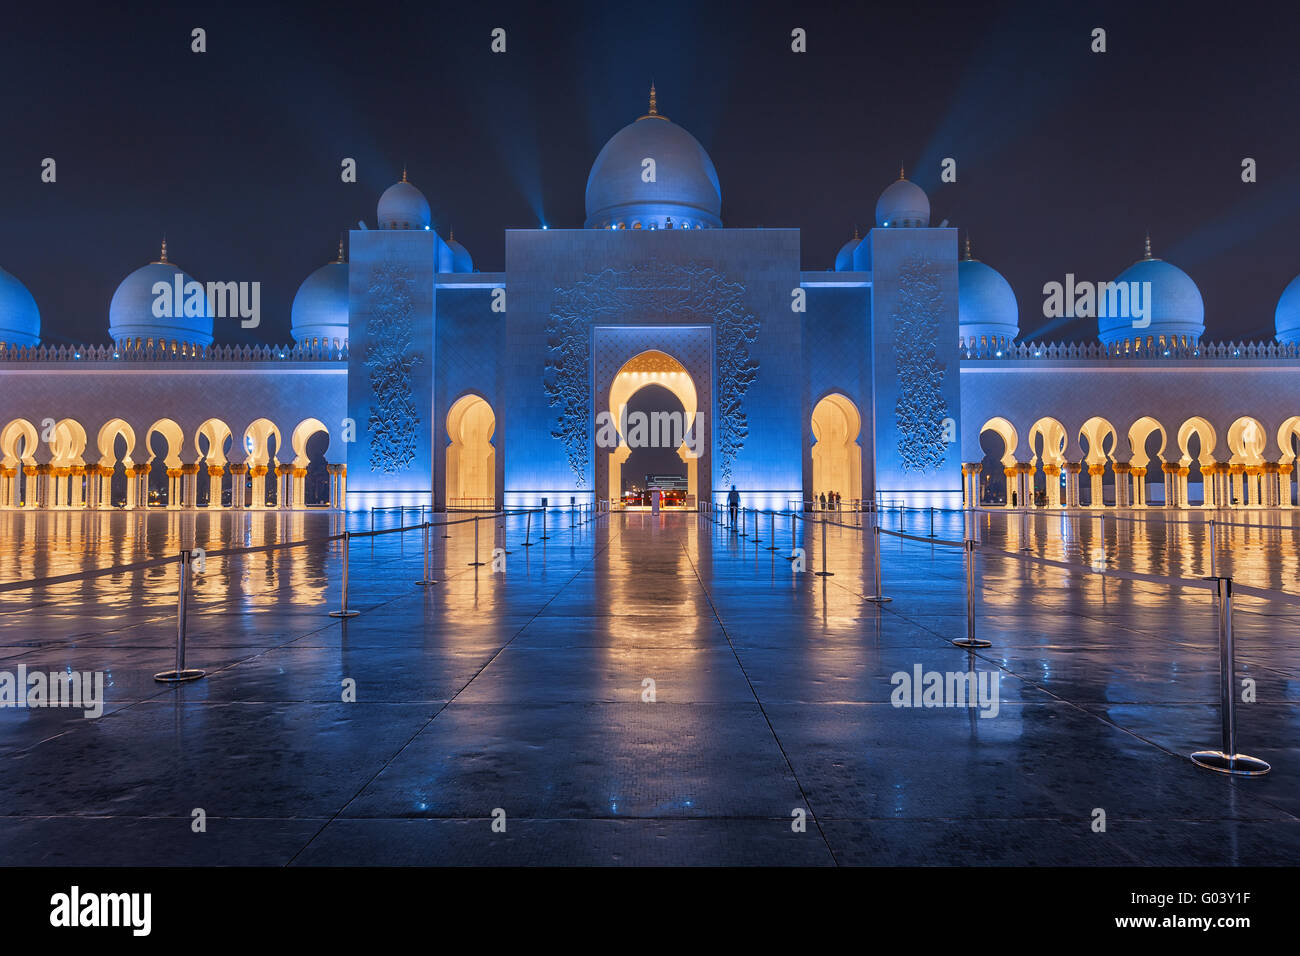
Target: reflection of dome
(1286, 320)
(402, 206)
(844, 258)
(903, 203)
(685, 193)
(1174, 308)
(320, 307)
(20, 319)
(460, 260)
(986, 305)
(131, 314)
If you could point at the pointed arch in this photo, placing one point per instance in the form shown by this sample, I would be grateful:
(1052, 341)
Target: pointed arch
(1007, 432)
(174, 437)
(20, 430)
(1203, 430)
(1138, 433)
(216, 432)
(106, 442)
(298, 439)
(1096, 430)
(836, 454)
(471, 457)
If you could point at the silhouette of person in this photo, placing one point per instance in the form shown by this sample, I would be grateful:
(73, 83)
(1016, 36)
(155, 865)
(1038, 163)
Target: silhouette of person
(733, 503)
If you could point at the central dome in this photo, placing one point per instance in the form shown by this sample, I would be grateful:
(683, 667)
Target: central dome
(1174, 310)
(684, 194)
(20, 319)
(132, 313)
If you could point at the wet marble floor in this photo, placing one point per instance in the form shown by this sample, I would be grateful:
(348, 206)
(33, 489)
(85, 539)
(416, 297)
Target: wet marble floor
(522, 695)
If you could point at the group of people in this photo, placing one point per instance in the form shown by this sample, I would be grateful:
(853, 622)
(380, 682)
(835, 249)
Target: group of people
(830, 502)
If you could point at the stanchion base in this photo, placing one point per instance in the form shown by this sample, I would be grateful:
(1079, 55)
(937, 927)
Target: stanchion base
(528, 544)
(976, 642)
(475, 564)
(1238, 764)
(425, 584)
(344, 613)
(879, 600)
(829, 574)
(773, 547)
(179, 677)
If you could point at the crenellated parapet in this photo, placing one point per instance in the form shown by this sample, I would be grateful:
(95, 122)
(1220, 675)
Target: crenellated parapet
(1147, 351)
(172, 352)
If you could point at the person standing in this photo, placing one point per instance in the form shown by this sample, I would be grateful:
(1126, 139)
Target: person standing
(733, 504)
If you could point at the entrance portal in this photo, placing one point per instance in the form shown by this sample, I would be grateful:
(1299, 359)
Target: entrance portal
(836, 454)
(651, 433)
(471, 459)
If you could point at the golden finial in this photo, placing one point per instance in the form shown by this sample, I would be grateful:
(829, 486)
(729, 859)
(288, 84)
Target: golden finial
(967, 257)
(451, 233)
(1147, 254)
(901, 174)
(403, 172)
(654, 106)
(855, 232)
(340, 258)
(163, 255)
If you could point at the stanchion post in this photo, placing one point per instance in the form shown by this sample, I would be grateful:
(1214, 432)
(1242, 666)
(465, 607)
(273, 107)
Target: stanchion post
(425, 546)
(970, 640)
(528, 531)
(476, 563)
(1228, 760)
(877, 598)
(771, 530)
(823, 573)
(1214, 552)
(181, 673)
(344, 612)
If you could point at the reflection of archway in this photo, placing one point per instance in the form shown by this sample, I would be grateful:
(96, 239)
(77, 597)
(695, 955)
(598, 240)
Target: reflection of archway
(471, 459)
(653, 367)
(836, 454)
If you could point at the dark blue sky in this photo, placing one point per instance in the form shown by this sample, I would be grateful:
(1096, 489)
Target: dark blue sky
(1065, 158)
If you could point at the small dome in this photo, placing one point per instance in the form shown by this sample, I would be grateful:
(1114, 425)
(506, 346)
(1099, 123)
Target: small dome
(1175, 309)
(460, 259)
(20, 319)
(987, 310)
(320, 307)
(402, 206)
(1286, 320)
(132, 312)
(844, 258)
(685, 193)
(903, 203)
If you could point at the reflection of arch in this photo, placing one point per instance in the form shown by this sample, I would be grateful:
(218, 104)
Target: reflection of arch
(1095, 431)
(1007, 432)
(216, 432)
(106, 442)
(471, 459)
(298, 440)
(1138, 434)
(836, 454)
(20, 429)
(653, 367)
(1246, 441)
(257, 438)
(1203, 430)
(174, 437)
(68, 444)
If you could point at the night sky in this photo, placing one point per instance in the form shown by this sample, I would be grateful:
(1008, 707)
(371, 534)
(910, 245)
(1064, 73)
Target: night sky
(1065, 158)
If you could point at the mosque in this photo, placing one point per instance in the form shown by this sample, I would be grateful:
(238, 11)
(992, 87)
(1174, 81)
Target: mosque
(894, 375)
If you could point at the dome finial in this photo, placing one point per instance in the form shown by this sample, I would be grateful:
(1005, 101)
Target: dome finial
(967, 257)
(162, 256)
(901, 173)
(654, 106)
(403, 172)
(1147, 252)
(855, 232)
(341, 259)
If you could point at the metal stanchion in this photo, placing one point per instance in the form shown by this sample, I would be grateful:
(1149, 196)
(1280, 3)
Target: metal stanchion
(1228, 760)
(544, 536)
(744, 522)
(344, 612)
(505, 547)
(181, 673)
(771, 531)
(528, 531)
(932, 522)
(476, 563)
(877, 598)
(426, 580)
(1214, 552)
(823, 573)
(970, 640)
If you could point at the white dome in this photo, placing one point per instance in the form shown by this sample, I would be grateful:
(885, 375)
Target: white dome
(131, 313)
(320, 307)
(402, 206)
(903, 203)
(20, 319)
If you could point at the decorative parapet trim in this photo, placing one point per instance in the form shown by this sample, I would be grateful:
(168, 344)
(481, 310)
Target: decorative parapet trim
(1050, 351)
(171, 353)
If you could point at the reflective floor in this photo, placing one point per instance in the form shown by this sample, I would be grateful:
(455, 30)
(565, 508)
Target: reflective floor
(523, 696)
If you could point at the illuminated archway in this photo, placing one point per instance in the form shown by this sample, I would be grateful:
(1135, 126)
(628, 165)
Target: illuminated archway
(1286, 436)
(1094, 433)
(471, 457)
(18, 442)
(1010, 440)
(1052, 455)
(653, 367)
(836, 454)
(1199, 428)
(1140, 462)
(1246, 441)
